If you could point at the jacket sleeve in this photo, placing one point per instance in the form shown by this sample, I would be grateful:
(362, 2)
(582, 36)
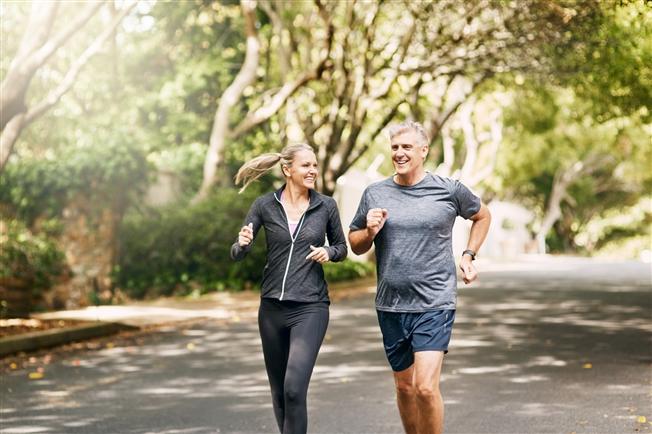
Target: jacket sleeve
(253, 216)
(337, 249)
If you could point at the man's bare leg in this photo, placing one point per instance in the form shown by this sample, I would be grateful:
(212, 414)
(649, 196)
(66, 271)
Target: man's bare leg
(430, 405)
(406, 399)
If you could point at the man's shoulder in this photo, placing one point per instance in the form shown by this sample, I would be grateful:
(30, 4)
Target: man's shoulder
(434, 177)
(383, 184)
(443, 181)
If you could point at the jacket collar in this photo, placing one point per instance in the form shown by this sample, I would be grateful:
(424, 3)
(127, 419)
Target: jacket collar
(315, 198)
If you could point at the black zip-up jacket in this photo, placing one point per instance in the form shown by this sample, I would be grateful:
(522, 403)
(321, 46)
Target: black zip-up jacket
(287, 274)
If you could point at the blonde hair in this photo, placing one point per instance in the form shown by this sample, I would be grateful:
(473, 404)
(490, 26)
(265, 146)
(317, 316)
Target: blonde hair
(404, 126)
(257, 167)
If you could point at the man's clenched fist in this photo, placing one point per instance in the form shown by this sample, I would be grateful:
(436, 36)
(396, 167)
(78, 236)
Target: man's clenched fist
(376, 218)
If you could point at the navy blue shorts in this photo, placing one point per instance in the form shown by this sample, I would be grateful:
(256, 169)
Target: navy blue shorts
(406, 333)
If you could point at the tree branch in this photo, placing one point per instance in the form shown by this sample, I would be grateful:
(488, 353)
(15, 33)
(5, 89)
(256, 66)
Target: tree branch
(8, 138)
(356, 155)
(69, 79)
(16, 82)
(50, 47)
(496, 138)
(446, 166)
(229, 98)
(278, 100)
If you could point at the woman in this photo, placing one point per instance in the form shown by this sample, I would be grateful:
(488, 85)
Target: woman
(293, 313)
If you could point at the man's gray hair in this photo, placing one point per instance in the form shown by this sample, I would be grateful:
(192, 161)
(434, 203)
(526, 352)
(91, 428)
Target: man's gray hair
(408, 125)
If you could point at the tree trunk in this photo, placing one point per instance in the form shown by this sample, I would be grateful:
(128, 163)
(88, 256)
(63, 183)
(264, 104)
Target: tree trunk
(23, 66)
(563, 179)
(222, 131)
(35, 49)
(553, 213)
(246, 75)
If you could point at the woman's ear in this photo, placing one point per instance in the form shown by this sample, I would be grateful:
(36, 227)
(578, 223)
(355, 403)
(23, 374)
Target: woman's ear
(286, 170)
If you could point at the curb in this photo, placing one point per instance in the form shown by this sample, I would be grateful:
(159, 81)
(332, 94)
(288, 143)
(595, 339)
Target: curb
(50, 338)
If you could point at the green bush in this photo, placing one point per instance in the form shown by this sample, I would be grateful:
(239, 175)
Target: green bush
(35, 187)
(183, 249)
(347, 270)
(33, 259)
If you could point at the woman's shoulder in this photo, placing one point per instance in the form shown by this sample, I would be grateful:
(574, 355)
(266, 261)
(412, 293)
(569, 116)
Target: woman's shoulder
(327, 200)
(263, 201)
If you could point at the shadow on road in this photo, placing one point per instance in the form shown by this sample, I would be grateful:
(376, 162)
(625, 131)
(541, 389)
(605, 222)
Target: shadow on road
(563, 349)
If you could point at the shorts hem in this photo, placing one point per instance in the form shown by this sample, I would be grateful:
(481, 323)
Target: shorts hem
(434, 309)
(401, 369)
(444, 350)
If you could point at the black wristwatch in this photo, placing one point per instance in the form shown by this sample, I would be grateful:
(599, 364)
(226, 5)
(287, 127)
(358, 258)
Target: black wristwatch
(469, 252)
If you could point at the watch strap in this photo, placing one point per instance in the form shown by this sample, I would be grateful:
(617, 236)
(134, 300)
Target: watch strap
(469, 252)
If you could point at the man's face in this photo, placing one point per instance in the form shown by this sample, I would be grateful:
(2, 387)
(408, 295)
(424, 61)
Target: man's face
(407, 155)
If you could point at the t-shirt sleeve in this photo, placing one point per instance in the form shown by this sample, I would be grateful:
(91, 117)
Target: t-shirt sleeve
(360, 218)
(467, 204)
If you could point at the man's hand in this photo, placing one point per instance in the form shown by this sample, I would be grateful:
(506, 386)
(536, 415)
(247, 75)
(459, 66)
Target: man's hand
(469, 273)
(376, 218)
(246, 235)
(318, 254)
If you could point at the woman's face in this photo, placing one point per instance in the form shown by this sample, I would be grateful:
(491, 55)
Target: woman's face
(303, 171)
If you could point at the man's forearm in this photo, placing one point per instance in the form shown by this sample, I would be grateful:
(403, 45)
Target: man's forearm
(479, 229)
(361, 241)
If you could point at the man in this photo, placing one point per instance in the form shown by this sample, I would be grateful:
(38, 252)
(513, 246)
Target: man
(409, 217)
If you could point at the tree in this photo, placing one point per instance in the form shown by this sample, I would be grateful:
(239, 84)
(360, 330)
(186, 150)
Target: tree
(578, 130)
(36, 48)
(421, 60)
(482, 134)
(568, 166)
(268, 105)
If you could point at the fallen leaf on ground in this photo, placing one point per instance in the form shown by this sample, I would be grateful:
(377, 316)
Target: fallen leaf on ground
(35, 375)
(641, 419)
(587, 366)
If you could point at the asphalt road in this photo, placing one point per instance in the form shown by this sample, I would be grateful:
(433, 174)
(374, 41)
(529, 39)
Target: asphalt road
(561, 346)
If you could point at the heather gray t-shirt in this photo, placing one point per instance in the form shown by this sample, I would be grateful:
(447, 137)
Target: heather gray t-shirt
(414, 251)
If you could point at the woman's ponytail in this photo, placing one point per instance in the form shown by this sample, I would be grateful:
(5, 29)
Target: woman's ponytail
(257, 167)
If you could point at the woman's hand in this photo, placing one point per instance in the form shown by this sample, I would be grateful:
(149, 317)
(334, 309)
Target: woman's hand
(246, 235)
(318, 254)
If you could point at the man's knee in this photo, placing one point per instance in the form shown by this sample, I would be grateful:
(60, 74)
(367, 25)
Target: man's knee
(404, 388)
(427, 391)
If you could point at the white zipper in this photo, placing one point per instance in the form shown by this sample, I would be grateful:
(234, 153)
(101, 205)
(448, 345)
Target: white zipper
(293, 238)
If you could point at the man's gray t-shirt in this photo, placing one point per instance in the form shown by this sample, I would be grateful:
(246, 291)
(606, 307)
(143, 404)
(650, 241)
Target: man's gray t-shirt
(414, 249)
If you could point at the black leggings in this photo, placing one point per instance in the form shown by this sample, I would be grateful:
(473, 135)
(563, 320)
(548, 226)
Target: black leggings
(292, 333)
